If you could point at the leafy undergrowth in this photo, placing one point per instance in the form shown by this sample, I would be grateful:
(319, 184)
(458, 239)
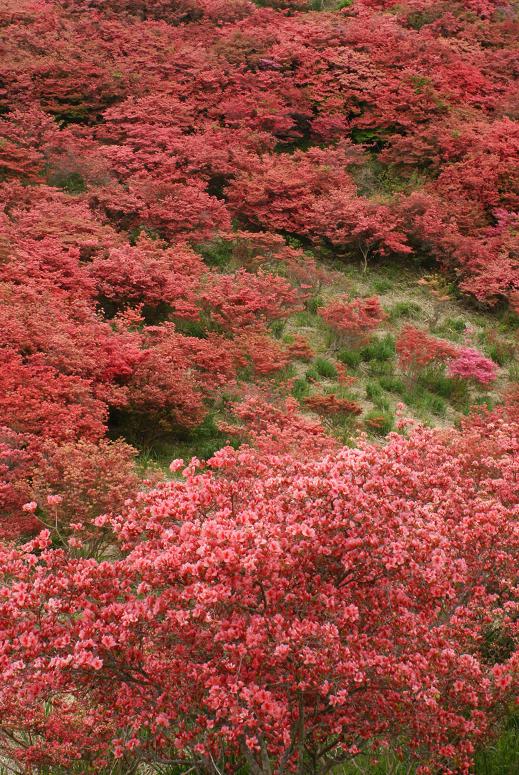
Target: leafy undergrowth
(366, 373)
(408, 296)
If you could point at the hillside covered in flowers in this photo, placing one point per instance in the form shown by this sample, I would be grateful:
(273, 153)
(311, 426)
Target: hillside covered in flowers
(259, 387)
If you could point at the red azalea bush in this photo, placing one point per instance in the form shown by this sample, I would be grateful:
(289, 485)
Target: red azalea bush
(300, 349)
(330, 404)
(307, 611)
(417, 349)
(353, 320)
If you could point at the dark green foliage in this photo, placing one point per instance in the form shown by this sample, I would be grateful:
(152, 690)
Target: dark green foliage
(377, 395)
(425, 402)
(435, 379)
(501, 756)
(217, 253)
(201, 442)
(190, 328)
(379, 349)
(374, 391)
(392, 384)
(277, 327)
(313, 304)
(72, 182)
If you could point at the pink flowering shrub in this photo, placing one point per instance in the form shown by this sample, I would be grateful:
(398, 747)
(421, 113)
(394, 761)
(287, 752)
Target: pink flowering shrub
(471, 364)
(276, 611)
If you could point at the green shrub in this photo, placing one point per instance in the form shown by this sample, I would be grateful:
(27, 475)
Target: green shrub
(300, 389)
(392, 384)
(350, 358)
(379, 349)
(405, 310)
(313, 304)
(325, 368)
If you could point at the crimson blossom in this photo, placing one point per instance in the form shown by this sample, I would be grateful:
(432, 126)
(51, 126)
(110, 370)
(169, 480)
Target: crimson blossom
(279, 612)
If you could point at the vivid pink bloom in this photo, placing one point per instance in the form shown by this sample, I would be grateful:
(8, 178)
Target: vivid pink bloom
(473, 365)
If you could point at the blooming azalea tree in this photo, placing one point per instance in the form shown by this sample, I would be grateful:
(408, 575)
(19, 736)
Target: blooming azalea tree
(308, 611)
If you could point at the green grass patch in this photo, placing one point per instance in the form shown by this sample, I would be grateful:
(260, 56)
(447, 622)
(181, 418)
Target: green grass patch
(513, 372)
(379, 349)
(300, 389)
(405, 310)
(381, 286)
(325, 368)
(351, 358)
(277, 327)
(217, 253)
(451, 328)
(313, 304)
(392, 384)
(436, 381)
(307, 319)
(201, 442)
(424, 402)
(501, 757)
(500, 352)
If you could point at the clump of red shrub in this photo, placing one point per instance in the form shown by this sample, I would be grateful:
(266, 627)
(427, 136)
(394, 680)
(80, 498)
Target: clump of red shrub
(417, 348)
(353, 321)
(330, 404)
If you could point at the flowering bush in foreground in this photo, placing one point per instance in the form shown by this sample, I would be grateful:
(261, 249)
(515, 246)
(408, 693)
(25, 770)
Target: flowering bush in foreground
(276, 610)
